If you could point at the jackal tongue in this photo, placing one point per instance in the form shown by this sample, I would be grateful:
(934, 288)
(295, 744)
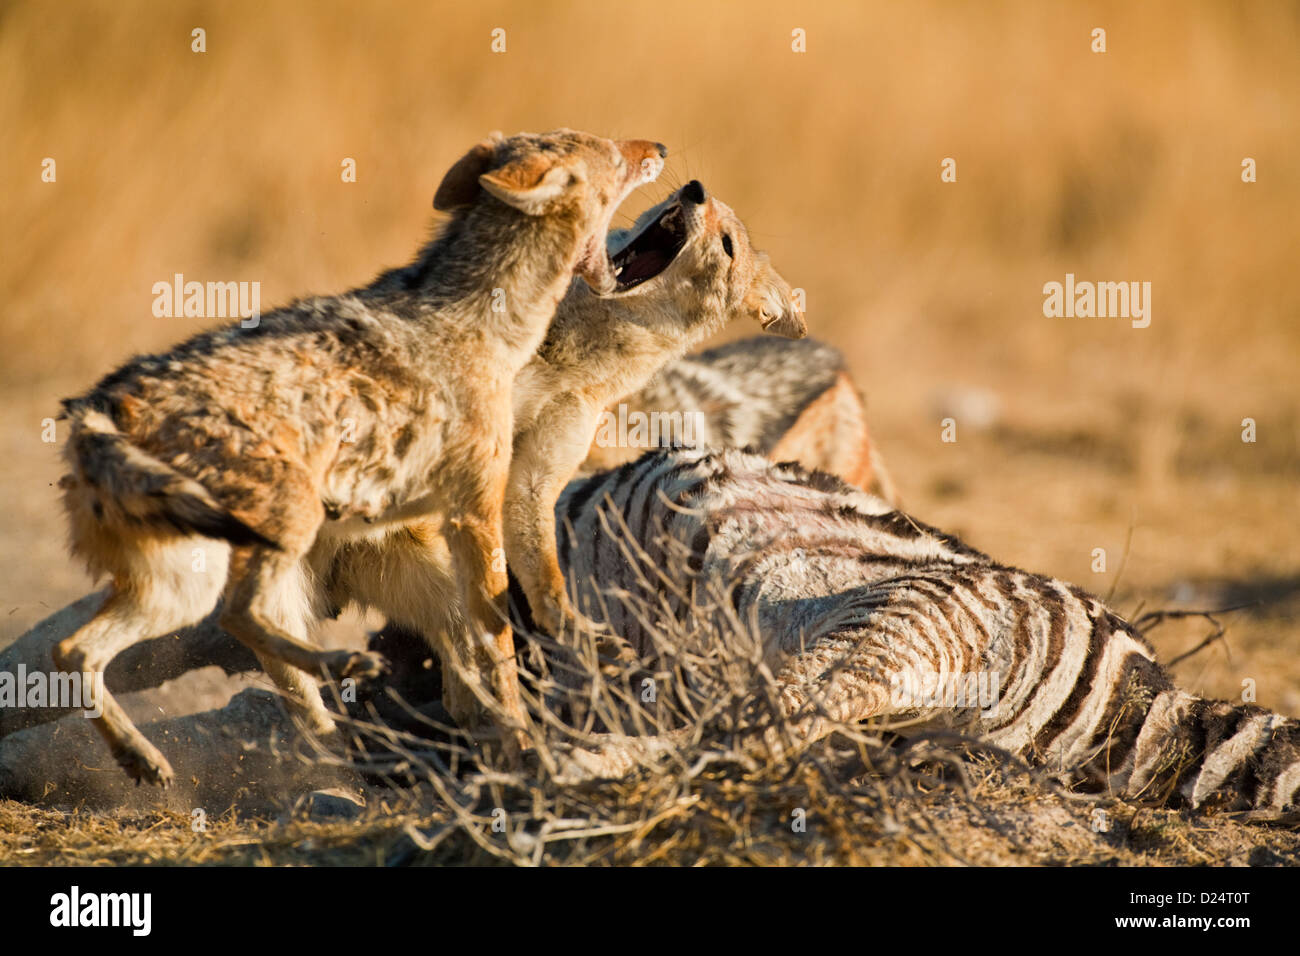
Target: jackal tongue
(643, 265)
(651, 251)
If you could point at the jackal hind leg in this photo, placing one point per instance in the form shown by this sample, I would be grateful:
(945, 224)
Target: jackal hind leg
(159, 587)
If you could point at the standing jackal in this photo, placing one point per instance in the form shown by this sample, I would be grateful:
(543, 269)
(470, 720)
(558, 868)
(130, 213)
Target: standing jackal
(341, 418)
(685, 269)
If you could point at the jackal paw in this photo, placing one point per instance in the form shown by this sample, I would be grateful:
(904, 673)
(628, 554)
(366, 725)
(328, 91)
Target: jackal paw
(573, 622)
(555, 615)
(359, 665)
(144, 763)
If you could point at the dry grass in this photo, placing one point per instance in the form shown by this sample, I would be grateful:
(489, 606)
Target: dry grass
(1008, 826)
(702, 787)
(1117, 166)
(857, 798)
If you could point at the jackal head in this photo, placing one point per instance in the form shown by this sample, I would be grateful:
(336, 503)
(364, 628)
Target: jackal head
(693, 249)
(570, 176)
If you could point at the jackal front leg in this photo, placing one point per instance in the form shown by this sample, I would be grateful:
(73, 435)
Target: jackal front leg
(546, 456)
(479, 671)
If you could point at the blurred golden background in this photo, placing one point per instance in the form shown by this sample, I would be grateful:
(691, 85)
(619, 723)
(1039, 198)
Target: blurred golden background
(1116, 166)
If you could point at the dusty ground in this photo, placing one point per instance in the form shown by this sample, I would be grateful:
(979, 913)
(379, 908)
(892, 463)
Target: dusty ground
(1001, 823)
(1073, 434)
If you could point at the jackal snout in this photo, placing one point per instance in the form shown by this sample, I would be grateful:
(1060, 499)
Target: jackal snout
(698, 237)
(645, 159)
(640, 162)
(564, 174)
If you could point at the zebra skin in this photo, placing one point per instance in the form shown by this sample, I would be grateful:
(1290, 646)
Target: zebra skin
(861, 611)
(791, 400)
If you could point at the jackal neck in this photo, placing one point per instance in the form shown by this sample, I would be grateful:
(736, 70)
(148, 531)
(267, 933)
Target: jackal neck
(613, 346)
(497, 268)
(586, 325)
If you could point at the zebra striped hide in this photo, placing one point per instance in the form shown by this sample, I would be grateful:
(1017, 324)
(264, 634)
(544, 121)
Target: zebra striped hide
(859, 611)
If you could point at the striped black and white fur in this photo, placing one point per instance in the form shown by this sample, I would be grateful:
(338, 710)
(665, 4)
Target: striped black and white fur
(845, 594)
(796, 401)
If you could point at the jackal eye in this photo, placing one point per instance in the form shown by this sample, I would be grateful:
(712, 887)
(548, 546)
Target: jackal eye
(726, 246)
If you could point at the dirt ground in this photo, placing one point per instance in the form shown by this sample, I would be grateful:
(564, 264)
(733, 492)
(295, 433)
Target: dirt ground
(1072, 435)
(1000, 823)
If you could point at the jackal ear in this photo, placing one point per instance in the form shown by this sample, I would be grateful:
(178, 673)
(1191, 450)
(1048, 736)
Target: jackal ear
(771, 302)
(460, 186)
(531, 182)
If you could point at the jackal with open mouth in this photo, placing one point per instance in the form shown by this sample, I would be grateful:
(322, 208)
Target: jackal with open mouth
(684, 270)
(340, 419)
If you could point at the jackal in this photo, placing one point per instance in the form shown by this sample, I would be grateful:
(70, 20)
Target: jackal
(685, 269)
(338, 419)
(790, 401)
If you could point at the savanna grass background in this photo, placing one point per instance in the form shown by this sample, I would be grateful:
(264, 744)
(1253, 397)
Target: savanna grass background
(1116, 166)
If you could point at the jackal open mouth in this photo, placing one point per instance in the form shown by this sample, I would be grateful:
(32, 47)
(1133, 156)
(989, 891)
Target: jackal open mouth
(652, 249)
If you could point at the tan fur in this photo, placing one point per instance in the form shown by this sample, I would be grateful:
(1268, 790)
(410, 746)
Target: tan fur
(342, 419)
(600, 349)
